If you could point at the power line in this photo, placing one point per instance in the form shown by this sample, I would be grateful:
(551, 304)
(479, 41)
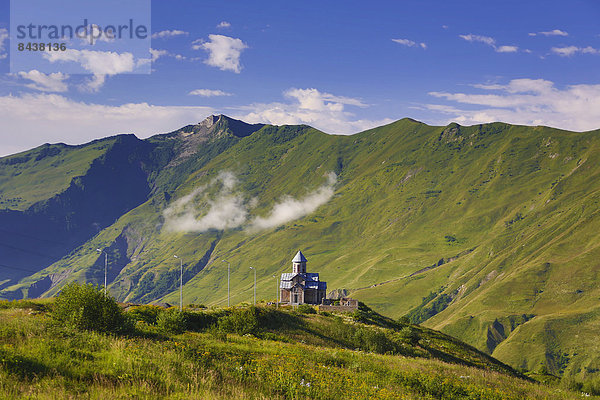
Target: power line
(19, 269)
(35, 253)
(32, 237)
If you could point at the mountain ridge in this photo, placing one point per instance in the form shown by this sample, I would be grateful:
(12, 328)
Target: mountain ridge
(405, 197)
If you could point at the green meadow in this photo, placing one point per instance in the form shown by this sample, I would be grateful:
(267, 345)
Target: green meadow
(247, 353)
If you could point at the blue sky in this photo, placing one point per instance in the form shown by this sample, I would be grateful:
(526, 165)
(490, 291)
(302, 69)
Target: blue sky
(341, 66)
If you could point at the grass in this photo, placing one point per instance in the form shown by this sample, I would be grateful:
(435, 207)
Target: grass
(523, 199)
(40, 173)
(40, 359)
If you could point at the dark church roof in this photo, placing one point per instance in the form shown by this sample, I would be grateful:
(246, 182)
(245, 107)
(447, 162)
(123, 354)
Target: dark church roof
(311, 280)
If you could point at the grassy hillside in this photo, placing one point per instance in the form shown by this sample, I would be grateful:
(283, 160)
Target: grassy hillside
(288, 355)
(40, 173)
(488, 233)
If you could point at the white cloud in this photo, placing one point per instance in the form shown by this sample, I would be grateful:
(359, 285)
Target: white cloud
(224, 24)
(46, 82)
(156, 54)
(203, 209)
(569, 51)
(554, 32)
(590, 50)
(3, 38)
(289, 209)
(227, 210)
(169, 34)
(528, 102)
(490, 41)
(209, 93)
(565, 51)
(409, 43)
(321, 110)
(478, 38)
(32, 119)
(224, 52)
(507, 49)
(94, 34)
(98, 63)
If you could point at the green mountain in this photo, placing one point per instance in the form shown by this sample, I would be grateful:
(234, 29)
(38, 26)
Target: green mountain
(488, 233)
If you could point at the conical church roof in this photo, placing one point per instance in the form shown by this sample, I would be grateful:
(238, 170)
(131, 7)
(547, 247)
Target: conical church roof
(299, 257)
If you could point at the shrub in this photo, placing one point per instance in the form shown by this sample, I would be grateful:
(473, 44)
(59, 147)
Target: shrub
(374, 341)
(358, 316)
(306, 309)
(409, 335)
(199, 320)
(217, 334)
(240, 321)
(172, 321)
(86, 307)
(147, 313)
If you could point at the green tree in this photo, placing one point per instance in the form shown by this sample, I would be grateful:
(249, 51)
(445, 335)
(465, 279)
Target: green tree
(86, 307)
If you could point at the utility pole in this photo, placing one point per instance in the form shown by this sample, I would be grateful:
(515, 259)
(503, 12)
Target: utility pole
(228, 268)
(276, 293)
(105, 266)
(180, 283)
(254, 284)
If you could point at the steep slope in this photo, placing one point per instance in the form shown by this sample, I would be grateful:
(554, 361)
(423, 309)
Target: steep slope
(106, 180)
(57, 197)
(489, 232)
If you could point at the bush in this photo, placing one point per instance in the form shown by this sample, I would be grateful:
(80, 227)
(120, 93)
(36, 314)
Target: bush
(409, 335)
(306, 309)
(374, 341)
(86, 307)
(358, 316)
(148, 313)
(172, 321)
(240, 321)
(200, 320)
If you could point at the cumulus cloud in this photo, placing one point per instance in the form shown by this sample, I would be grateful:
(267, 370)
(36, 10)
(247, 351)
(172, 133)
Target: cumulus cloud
(94, 34)
(569, 51)
(98, 63)
(30, 120)
(507, 49)
(409, 43)
(224, 52)
(490, 41)
(478, 38)
(3, 38)
(224, 24)
(310, 106)
(227, 210)
(45, 82)
(289, 209)
(527, 102)
(553, 32)
(156, 54)
(209, 93)
(169, 34)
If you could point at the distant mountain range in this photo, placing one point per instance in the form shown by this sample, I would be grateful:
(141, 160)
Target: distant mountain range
(490, 233)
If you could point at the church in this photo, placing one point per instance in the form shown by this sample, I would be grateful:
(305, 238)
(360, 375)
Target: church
(301, 287)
